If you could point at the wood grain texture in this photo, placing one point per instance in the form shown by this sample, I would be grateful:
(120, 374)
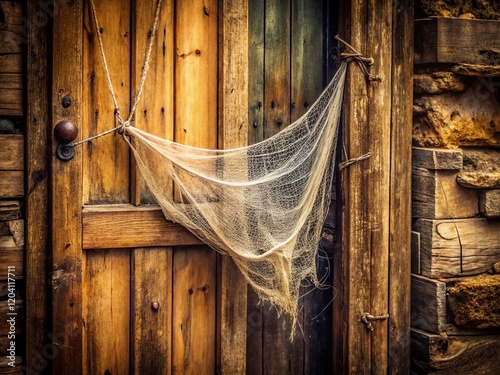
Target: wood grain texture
(11, 184)
(11, 28)
(142, 226)
(441, 240)
(428, 304)
(196, 94)
(256, 109)
(194, 313)
(11, 254)
(106, 316)
(233, 132)
(456, 40)
(66, 194)
(37, 186)
(365, 222)
(10, 210)
(11, 152)
(437, 159)
(106, 160)
(151, 326)
(11, 94)
(437, 195)
(155, 112)
(256, 84)
(277, 67)
(434, 354)
(11, 63)
(400, 205)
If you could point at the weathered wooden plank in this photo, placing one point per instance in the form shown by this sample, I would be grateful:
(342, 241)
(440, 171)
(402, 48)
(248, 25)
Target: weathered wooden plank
(233, 132)
(415, 253)
(11, 184)
(256, 49)
(155, 112)
(196, 96)
(277, 67)
(66, 192)
(437, 158)
(277, 351)
(461, 247)
(456, 40)
(11, 63)
(11, 254)
(256, 18)
(11, 98)
(11, 152)
(106, 160)
(141, 226)
(310, 348)
(489, 203)
(11, 27)
(476, 70)
(400, 250)
(10, 210)
(196, 74)
(367, 187)
(37, 181)
(194, 299)
(428, 304)
(151, 313)
(437, 195)
(106, 317)
(432, 353)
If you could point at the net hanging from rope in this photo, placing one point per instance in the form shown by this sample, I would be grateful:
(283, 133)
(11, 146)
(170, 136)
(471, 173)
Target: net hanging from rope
(263, 205)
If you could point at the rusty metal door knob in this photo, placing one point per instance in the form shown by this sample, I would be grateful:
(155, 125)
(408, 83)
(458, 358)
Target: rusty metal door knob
(65, 132)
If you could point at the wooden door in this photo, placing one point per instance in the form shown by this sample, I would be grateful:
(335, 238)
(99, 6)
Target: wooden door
(131, 292)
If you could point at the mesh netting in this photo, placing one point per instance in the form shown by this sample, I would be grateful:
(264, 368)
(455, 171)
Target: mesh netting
(263, 205)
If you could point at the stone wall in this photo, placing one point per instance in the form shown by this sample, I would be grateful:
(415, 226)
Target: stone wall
(456, 193)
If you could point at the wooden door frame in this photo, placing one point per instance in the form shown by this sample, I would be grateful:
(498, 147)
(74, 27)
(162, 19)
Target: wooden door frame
(351, 265)
(372, 267)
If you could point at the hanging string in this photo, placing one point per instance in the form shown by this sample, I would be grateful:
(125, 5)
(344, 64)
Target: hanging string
(122, 124)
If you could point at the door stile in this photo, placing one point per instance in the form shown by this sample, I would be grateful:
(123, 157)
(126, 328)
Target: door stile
(66, 193)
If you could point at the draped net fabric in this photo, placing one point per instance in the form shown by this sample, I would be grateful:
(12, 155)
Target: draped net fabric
(263, 205)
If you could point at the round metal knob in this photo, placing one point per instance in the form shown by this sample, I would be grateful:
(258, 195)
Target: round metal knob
(65, 132)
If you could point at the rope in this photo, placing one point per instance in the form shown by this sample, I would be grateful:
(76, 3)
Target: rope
(363, 62)
(349, 162)
(147, 58)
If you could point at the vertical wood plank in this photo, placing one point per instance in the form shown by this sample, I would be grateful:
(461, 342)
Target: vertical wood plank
(256, 23)
(66, 195)
(196, 93)
(107, 312)
(151, 324)
(233, 132)
(196, 73)
(400, 189)
(194, 311)
(106, 182)
(37, 195)
(278, 352)
(155, 111)
(277, 66)
(367, 25)
(306, 85)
